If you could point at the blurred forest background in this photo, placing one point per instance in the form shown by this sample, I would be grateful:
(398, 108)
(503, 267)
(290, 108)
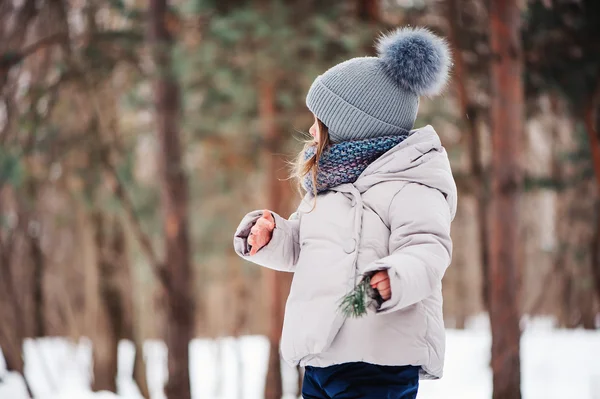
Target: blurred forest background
(98, 239)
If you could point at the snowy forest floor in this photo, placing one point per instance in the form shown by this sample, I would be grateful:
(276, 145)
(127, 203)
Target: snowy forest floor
(555, 364)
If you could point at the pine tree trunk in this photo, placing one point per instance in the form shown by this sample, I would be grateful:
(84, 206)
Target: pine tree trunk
(589, 119)
(124, 285)
(476, 169)
(177, 268)
(139, 368)
(114, 286)
(368, 10)
(591, 124)
(507, 138)
(239, 309)
(106, 340)
(37, 259)
(268, 113)
(12, 328)
(595, 260)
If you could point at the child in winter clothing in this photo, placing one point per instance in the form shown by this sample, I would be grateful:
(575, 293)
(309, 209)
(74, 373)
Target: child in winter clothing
(379, 203)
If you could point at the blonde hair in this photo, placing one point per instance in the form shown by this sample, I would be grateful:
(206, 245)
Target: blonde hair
(302, 167)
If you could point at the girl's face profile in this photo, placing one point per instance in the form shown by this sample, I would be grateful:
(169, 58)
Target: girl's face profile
(314, 130)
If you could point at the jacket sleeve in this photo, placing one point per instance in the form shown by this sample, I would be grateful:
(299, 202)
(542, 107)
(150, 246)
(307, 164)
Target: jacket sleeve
(281, 253)
(420, 246)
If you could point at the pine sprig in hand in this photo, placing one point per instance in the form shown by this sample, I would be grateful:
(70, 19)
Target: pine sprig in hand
(356, 302)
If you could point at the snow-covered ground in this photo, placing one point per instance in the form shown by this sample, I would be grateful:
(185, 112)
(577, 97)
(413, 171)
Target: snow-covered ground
(555, 364)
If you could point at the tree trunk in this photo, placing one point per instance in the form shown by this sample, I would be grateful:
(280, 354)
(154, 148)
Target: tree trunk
(37, 260)
(274, 280)
(591, 123)
(140, 374)
(595, 258)
(106, 340)
(124, 285)
(240, 319)
(12, 328)
(176, 268)
(589, 119)
(469, 112)
(115, 286)
(507, 138)
(368, 10)
(11, 338)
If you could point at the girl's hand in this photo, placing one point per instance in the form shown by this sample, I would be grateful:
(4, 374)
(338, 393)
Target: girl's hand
(380, 281)
(261, 232)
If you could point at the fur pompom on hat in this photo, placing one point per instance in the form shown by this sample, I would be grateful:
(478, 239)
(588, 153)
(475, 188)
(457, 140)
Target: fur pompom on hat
(370, 97)
(415, 58)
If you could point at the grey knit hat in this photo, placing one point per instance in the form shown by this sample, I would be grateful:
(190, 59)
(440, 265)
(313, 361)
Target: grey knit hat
(370, 97)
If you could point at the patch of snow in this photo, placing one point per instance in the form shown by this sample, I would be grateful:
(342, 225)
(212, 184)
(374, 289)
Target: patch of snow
(53, 364)
(155, 355)
(84, 394)
(12, 385)
(555, 364)
(2, 364)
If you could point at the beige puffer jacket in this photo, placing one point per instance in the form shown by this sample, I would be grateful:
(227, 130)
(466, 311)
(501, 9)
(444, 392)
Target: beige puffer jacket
(396, 216)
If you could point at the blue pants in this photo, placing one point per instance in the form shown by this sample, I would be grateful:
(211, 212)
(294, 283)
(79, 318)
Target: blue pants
(360, 381)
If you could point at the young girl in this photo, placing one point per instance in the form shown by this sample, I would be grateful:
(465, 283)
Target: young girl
(380, 199)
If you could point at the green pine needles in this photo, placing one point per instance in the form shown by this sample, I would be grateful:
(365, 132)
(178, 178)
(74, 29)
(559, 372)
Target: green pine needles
(356, 302)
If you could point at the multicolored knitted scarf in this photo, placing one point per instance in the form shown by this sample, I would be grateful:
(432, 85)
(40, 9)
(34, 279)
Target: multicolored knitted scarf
(344, 162)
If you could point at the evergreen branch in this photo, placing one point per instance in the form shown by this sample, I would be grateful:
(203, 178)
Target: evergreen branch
(356, 302)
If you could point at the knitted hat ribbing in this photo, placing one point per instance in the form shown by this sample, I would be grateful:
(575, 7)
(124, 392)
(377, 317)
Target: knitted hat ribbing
(370, 97)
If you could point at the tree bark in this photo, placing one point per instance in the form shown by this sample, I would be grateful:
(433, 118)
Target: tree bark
(476, 169)
(368, 10)
(116, 306)
(507, 137)
(595, 261)
(106, 340)
(176, 268)
(129, 328)
(591, 123)
(240, 317)
(273, 279)
(589, 119)
(37, 257)
(12, 328)
(37, 262)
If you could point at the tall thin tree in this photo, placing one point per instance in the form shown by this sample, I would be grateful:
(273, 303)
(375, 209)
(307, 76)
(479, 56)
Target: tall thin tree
(469, 112)
(176, 268)
(507, 138)
(274, 280)
(368, 10)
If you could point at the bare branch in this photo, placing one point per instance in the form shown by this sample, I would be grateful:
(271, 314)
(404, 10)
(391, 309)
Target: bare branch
(12, 58)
